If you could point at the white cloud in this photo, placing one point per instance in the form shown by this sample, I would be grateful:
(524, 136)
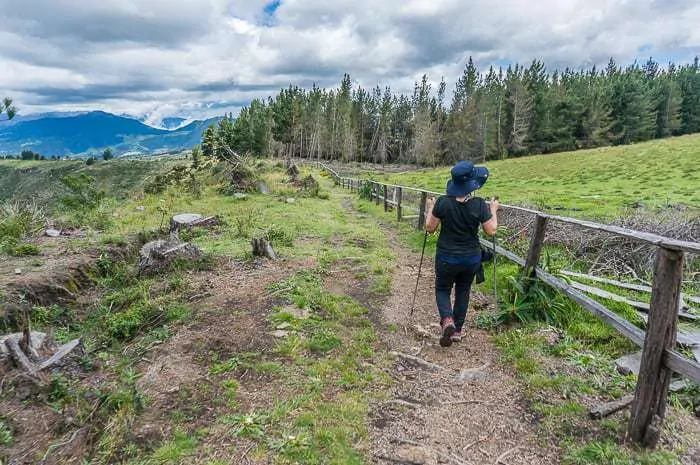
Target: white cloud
(200, 58)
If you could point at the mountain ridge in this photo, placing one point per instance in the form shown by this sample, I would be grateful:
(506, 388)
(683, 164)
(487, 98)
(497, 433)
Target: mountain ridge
(88, 133)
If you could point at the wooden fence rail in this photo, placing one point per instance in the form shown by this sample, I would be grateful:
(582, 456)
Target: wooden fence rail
(659, 359)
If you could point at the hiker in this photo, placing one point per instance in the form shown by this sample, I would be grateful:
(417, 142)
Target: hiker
(458, 254)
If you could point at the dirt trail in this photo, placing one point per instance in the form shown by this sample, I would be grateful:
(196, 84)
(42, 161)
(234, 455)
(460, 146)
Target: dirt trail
(468, 413)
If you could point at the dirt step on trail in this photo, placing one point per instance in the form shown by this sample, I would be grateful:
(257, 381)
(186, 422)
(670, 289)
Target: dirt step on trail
(465, 411)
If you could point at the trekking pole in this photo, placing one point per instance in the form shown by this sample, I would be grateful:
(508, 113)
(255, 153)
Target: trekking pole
(495, 289)
(495, 257)
(420, 265)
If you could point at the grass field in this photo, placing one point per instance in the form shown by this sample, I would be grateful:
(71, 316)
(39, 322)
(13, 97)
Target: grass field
(601, 183)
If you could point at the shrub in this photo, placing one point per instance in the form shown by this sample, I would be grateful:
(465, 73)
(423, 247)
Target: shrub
(18, 220)
(85, 203)
(26, 250)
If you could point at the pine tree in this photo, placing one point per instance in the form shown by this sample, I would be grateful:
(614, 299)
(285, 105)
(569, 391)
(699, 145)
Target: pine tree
(519, 111)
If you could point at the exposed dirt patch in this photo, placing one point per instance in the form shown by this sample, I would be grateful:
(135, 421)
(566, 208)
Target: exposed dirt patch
(469, 412)
(229, 321)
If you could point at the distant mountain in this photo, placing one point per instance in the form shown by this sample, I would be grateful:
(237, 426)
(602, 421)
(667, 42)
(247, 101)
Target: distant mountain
(173, 122)
(92, 132)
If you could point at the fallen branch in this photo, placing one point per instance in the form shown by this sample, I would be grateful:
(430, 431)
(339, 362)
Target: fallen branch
(463, 402)
(473, 443)
(417, 361)
(62, 351)
(608, 408)
(503, 455)
(405, 403)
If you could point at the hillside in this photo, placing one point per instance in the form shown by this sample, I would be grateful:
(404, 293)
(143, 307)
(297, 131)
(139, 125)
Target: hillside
(601, 182)
(39, 180)
(86, 133)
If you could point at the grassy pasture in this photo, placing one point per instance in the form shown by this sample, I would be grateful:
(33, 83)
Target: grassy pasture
(602, 183)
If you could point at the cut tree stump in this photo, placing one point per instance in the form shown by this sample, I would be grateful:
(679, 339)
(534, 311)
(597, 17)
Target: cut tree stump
(20, 357)
(37, 339)
(262, 248)
(156, 255)
(191, 220)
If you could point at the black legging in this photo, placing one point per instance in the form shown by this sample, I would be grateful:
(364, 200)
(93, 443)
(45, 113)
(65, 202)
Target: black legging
(460, 277)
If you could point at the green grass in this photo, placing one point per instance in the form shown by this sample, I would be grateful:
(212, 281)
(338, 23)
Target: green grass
(601, 182)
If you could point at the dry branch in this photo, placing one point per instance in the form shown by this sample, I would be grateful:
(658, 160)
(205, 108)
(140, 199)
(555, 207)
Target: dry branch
(506, 453)
(62, 351)
(418, 361)
(608, 408)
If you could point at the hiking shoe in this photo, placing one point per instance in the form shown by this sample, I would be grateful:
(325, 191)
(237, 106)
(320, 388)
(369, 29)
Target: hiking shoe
(448, 329)
(457, 336)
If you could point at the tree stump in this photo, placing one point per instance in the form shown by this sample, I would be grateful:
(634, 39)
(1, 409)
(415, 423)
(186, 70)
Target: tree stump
(262, 248)
(157, 255)
(293, 171)
(191, 220)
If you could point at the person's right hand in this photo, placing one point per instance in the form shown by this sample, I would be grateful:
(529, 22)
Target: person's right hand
(495, 203)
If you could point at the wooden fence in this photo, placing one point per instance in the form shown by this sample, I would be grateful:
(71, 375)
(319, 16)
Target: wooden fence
(658, 342)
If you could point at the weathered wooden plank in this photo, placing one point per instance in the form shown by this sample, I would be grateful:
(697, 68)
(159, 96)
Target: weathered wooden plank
(609, 295)
(622, 326)
(636, 304)
(623, 285)
(612, 282)
(649, 406)
(661, 241)
(682, 365)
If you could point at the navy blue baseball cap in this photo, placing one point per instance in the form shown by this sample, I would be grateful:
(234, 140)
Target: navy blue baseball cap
(466, 178)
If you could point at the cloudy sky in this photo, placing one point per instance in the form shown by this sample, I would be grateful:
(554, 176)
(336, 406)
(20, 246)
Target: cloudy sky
(200, 58)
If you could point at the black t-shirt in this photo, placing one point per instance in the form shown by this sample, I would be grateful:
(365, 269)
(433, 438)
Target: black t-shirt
(460, 222)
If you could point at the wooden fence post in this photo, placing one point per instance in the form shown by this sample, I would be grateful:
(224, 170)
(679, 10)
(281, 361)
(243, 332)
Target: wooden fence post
(376, 191)
(399, 194)
(386, 199)
(536, 243)
(421, 210)
(649, 406)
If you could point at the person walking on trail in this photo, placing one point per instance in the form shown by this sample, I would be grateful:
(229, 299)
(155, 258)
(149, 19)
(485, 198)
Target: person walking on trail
(458, 256)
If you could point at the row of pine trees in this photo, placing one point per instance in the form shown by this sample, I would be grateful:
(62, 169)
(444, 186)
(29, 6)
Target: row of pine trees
(491, 115)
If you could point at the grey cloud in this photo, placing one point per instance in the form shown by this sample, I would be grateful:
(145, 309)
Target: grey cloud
(162, 55)
(95, 92)
(105, 21)
(230, 85)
